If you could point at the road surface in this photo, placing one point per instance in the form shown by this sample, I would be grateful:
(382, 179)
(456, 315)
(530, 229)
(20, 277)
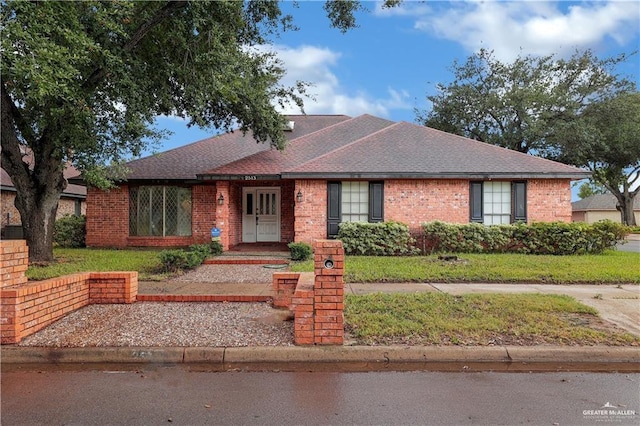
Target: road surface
(177, 396)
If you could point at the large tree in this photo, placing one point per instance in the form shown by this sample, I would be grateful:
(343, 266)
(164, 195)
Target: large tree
(82, 83)
(605, 138)
(518, 105)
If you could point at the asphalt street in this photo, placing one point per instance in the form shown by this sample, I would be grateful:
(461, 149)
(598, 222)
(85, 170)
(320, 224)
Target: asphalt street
(172, 395)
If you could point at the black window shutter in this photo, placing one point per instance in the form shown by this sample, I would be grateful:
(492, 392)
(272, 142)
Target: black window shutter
(519, 201)
(334, 215)
(475, 202)
(376, 201)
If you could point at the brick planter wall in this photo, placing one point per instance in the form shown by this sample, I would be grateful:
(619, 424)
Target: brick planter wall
(317, 300)
(28, 307)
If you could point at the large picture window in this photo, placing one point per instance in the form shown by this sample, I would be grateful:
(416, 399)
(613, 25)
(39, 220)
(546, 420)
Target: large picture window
(495, 203)
(159, 211)
(353, 201)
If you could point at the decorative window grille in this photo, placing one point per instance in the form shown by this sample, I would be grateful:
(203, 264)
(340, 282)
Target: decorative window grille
(159, 211)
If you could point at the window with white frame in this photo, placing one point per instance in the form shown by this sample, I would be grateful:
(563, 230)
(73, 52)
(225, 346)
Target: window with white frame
(498, 202)
(160, 211)
(355, 201)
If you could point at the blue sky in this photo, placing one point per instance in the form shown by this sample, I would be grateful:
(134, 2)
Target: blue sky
(388, 65)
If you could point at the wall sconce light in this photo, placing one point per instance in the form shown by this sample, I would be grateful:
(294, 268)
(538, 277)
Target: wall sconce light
(299, 196)
(221, 200)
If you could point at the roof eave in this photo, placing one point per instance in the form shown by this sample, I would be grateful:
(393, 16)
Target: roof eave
(416, 175)
(246, 177)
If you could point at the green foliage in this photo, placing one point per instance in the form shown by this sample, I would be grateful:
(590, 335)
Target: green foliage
(587, 189)
(179, 260)
(604, 138)
(519, 105)
(215, 247)
(556, 238)
(300, 251)
(70, 231)
(376, 239)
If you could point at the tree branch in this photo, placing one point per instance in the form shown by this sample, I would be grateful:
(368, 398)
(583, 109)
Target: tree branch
(99, 73)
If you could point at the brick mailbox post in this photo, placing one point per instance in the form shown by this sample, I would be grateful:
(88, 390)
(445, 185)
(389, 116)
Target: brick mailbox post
(328, 293)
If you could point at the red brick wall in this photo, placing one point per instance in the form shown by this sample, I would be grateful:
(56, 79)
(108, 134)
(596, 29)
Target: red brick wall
(414, 202)
(26, 307)
(108, 217)
(14, 261)
(311, 214)
(549, 200)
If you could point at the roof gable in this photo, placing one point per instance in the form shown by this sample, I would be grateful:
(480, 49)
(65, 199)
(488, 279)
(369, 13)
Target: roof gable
(185, 162)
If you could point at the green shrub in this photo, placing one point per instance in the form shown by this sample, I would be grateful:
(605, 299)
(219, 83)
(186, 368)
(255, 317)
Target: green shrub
(300, 251)
(557, 238)
(376, 239)
(178, 259)
(69, 231)
(216, 248)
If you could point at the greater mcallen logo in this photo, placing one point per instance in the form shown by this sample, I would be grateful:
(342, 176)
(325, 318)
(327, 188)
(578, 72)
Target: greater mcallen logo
(610, 412)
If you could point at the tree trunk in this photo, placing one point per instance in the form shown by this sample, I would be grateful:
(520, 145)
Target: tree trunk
(625, 206)
(38, 216)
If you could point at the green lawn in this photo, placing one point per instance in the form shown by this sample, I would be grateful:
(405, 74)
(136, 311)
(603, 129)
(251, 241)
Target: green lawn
(71, 261)
(610, 267)
(477, 319)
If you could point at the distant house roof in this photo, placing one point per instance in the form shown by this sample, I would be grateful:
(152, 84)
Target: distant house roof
(602, 202)
(338, 147)
(72, 190)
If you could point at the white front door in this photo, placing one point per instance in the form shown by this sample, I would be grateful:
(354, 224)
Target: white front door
(260, 215)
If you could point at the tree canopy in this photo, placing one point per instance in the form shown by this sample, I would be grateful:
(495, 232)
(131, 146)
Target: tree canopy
(518, 105)
(82, 82)
(605, 138)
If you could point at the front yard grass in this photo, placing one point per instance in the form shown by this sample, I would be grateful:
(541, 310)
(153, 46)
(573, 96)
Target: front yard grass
(612, 267)
(71, 261)
(477, 319)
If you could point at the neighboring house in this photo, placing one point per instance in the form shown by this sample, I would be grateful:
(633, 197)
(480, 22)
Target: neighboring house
(599, 207)
(72, 202)
(335, 169)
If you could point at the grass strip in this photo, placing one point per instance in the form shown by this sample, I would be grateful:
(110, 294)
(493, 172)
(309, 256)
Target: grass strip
(477, 319)
(612, 267)
(71, 261)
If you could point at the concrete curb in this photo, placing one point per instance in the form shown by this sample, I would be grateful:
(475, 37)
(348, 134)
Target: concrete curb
(629, 356)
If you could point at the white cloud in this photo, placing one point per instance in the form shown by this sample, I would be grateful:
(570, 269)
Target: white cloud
(314, 65)
(533, 27)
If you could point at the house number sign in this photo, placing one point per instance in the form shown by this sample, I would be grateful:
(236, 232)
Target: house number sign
(250, 177)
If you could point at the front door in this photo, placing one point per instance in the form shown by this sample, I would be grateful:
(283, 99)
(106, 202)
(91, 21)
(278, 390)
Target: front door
(260, 215)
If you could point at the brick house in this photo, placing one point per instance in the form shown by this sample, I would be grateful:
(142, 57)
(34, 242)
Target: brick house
(335, 169)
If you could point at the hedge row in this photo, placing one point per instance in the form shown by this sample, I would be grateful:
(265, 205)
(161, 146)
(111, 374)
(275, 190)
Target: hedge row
(557, 238)
(376, 239)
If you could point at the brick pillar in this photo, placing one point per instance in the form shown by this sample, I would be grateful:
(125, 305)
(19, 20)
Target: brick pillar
(328, 323)
(14, 261)
(222, 213)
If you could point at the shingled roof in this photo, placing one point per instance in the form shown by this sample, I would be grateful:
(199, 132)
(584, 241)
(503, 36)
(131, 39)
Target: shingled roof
(185, 162)
(600, 202)
(340, 147)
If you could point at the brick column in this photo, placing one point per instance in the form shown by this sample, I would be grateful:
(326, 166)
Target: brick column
(14, 261)
(328, 324)
(222, 213)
